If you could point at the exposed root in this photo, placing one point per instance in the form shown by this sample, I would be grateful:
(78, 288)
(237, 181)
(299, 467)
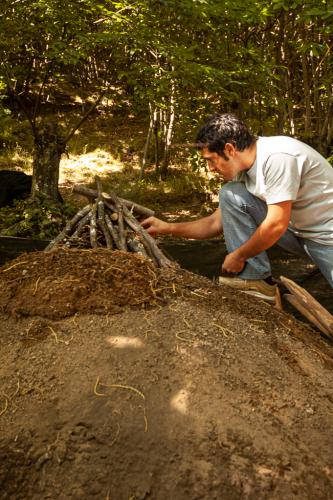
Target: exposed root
(224, 330)
(178, 336)
(59, 341)
(186, 322)
(148, 320)
(114, 267)
(147, 332)
(116, 386)
(199, 295)
(144, 417)
(36, 286)
(3, 411)
(95, 389)
(17, 390)
(116, 436)
(14, 265)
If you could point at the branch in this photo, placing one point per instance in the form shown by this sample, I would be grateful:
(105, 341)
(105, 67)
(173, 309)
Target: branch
(20, 102)
(84, 117)
(92, 194)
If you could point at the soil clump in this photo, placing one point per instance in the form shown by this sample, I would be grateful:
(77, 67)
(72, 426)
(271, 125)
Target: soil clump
(190, 391)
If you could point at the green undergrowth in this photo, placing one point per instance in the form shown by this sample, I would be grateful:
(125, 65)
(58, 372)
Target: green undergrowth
(182, 188)
(28, 219)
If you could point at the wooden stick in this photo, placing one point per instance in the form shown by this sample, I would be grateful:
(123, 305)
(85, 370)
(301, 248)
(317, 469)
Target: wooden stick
(147, 240)
(80, 227)
(136, 245)
(278, 302)
(93, 227)
(113, 231)
(68, 228)
(102, 224)
(101, 215)
(303, 309)
(121, 228)
(117, 208)
(91, 193)
(311, 304)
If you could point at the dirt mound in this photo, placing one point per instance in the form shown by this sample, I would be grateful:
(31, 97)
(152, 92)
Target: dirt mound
(206, 394)
(66, 281)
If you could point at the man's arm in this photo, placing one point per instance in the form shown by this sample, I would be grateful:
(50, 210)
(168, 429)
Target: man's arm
(200, 229)
(269, 232)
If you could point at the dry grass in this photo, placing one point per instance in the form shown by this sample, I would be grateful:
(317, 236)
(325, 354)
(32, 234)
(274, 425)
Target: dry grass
(111, 146)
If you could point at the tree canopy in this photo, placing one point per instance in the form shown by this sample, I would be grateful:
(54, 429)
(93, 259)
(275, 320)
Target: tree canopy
(173, 61)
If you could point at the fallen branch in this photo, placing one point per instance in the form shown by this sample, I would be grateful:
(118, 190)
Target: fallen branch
(93, 227)
(92, 194)
(309, 306)
(147, 240)
(294, 301)
(68, 228)
(101, 215)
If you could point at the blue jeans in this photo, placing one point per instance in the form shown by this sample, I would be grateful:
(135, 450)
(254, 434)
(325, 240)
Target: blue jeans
(242, 213)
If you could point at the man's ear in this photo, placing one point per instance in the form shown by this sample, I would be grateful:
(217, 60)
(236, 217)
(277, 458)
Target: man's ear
(229, 149)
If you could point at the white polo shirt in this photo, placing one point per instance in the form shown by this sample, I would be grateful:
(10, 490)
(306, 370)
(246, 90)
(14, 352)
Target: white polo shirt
(287, 169)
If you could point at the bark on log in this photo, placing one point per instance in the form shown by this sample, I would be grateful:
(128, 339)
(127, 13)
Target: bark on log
(136, 245)
(101, 215)
(294, 301)
(80, 227)
(116, 207)
(102, 224)
(147, 240)
(92, 193)
(68, 228)
(310, 304)
(121, 228)
(93, 227)
(113, 231)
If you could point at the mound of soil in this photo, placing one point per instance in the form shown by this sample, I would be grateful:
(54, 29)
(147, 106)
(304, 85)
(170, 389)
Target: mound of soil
(68, 281)
(200, 394)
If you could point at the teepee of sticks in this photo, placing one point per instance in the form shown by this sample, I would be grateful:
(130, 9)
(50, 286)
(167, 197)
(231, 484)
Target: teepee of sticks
(110, 221)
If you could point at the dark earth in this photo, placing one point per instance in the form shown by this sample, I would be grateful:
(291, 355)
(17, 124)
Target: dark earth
(122, 381)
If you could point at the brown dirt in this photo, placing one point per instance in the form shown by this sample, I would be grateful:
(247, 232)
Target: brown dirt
(64, 282)
(199, 394)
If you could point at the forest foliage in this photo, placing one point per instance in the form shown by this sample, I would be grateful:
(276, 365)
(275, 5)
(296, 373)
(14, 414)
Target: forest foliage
(173, 62)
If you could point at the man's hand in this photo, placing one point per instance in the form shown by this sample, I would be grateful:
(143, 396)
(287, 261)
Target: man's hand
(154, 226)
(200, 229)
(233, 263)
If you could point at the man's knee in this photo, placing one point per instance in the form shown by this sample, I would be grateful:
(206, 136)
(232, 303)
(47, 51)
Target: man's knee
(233, 191)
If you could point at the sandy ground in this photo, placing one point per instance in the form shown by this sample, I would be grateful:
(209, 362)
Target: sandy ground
(198, 393)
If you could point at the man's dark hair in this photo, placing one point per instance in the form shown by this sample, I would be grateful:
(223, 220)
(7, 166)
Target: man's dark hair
(222, 128)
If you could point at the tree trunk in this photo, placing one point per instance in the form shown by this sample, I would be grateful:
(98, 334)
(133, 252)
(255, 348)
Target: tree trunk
(49, 147)
(152, 114)
(168, 134)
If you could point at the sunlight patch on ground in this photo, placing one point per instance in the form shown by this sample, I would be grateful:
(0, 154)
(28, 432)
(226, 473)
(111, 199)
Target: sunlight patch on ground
(76, 168)
(121, 342)
(179, 402)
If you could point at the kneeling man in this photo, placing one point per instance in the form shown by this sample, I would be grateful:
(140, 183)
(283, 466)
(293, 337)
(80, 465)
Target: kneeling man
(280, 190)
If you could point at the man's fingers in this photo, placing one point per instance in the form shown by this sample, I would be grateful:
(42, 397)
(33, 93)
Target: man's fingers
(147, 222)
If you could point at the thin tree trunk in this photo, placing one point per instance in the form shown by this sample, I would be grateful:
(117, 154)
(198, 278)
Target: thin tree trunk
(169, 133)
(148, 139)
(156, 139)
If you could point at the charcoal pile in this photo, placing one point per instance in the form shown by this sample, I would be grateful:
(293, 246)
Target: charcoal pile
(111, 222)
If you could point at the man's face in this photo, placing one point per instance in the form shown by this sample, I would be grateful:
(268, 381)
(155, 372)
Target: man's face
(226, 169)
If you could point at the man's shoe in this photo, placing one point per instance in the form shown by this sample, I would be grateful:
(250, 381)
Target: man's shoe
(256, 288)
